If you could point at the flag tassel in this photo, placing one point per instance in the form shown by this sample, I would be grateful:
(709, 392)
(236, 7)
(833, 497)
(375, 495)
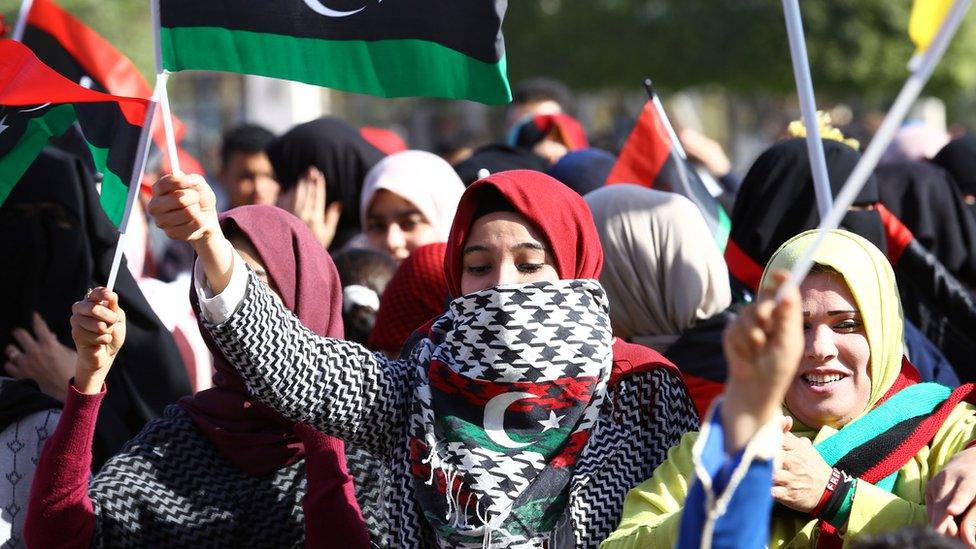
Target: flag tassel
(808, 105)
(886, 133)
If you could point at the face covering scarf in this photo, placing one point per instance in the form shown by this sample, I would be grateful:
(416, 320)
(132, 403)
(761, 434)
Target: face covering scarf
(511, 381)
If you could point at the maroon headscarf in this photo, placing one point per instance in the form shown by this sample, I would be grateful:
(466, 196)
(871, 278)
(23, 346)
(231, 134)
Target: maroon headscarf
(564, 219)
(416, 294)
(249, 434)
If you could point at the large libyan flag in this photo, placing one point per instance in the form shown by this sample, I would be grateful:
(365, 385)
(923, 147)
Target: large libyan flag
(390, 48)
(38, 104)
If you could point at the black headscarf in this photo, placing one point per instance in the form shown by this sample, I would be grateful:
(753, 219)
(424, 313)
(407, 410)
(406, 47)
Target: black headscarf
(339, 152)
(959, 159)
(58, 242)
(928, 203)
(777, 200)
(499, 158)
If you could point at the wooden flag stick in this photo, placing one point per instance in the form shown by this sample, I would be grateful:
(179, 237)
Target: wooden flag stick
(886, 133)
(808, 105)
(135, 180)
(19, 27)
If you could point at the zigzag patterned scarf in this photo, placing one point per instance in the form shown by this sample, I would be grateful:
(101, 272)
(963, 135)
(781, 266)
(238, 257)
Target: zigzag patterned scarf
(511, 383)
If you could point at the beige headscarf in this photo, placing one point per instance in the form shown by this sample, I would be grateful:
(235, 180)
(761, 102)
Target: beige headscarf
(662, 270)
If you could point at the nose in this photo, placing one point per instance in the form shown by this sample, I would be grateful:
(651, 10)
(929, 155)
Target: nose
(820, 346)
(506, 273)
(396, 243)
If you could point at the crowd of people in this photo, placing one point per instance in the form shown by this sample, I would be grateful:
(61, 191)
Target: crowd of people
(343, 342)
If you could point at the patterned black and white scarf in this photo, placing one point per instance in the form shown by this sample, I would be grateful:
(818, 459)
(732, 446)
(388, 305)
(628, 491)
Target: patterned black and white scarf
(512, 379)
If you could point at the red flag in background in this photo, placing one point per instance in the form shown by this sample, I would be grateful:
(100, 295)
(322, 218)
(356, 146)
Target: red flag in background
(79, 53)
(649, 158)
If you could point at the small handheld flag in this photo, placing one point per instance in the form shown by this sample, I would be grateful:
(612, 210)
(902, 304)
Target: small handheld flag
(64, 43)
(37, 104)
(652, 156)
(437, 48)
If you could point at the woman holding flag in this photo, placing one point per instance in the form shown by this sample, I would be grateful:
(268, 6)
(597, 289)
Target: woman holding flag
(519, 419)
(865, 436)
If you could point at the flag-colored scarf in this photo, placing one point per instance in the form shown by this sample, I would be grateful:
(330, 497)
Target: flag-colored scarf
(512, 379)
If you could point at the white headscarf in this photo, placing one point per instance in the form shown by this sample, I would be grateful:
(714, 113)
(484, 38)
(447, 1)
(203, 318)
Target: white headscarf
(426, 180)
(662, 270)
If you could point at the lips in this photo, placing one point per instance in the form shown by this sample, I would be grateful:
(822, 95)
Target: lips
(822, 380)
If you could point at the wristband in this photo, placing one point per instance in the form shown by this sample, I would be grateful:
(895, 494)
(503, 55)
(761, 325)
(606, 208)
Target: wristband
(828, 490)
(838, 506)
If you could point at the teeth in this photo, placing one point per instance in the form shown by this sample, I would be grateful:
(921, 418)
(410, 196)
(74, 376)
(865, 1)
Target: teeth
(822, 379)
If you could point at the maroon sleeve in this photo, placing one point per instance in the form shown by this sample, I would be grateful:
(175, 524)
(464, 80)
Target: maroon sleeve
(59, 513)
(332, 515)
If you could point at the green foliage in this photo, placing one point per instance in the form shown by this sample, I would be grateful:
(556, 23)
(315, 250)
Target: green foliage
(124, 23)
(856, 46)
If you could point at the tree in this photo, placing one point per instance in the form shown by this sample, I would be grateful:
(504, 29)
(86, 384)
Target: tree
(856, 46)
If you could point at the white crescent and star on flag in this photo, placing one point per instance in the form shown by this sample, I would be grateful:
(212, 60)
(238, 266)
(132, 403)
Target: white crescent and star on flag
(494, 422)
(319, 7)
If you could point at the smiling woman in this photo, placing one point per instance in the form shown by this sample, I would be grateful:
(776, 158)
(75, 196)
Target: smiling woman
(859, 420)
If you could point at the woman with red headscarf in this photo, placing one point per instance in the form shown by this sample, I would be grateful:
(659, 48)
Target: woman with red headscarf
(219, 466)
(518, 420)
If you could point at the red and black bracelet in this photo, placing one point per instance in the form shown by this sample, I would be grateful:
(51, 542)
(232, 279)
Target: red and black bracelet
(832, 483)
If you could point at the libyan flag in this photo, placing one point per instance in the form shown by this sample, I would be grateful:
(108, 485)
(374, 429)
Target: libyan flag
(64, 43)
(649, 158)
(397, 48)
(38, 104)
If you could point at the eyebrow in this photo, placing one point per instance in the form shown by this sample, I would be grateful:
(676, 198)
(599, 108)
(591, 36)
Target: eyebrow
(522, 246)
(404, 213)
(835, 313)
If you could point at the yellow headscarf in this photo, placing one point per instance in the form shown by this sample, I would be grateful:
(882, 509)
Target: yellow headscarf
(871, 281)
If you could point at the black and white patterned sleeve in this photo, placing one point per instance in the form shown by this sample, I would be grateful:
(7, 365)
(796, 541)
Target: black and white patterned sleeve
(338, 387)
(673, 411)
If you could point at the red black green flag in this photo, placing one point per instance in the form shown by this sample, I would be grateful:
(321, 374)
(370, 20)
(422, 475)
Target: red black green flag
(69, 46)
(396, 48)
(38, 104)
(649, 158)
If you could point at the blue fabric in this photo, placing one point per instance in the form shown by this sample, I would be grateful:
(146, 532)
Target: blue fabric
(929, 360)
(584, 170)
(745, 523)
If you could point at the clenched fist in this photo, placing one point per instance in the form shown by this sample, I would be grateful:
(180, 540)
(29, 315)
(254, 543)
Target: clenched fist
(98, 329)
(185, 207)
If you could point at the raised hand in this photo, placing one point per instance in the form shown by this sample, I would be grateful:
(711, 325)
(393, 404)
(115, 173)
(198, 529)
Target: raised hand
(185, 207)
(950, 498)
(763, 348)
(98, 328)
(307, 200)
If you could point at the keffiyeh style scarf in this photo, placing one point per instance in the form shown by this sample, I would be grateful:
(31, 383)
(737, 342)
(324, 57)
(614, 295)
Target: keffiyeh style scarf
(512, 379)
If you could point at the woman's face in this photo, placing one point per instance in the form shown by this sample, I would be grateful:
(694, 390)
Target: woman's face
(395, 226)
(833, 384)
(504, 248)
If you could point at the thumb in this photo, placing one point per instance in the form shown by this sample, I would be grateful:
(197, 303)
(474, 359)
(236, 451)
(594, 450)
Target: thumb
(787, 424)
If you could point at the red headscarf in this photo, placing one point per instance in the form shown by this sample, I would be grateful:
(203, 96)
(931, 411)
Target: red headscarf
(416, 293)
(563, 217)
(251, 435)
(553, 208)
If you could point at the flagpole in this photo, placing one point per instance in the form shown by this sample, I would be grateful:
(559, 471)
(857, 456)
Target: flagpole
(21, 25)
(142, 155)
(885, 134)
(659, 107)
(162, 78)
(808, 105)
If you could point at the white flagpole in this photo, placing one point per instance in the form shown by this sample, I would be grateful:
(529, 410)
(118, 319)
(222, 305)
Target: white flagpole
(18, 32)
(142, 154)
(862, 171)
(808, 105)
(162, 78)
